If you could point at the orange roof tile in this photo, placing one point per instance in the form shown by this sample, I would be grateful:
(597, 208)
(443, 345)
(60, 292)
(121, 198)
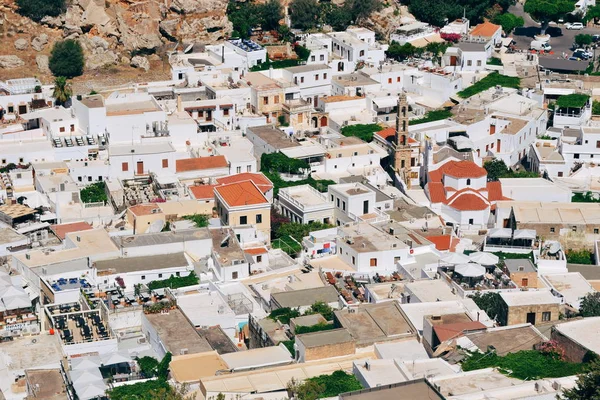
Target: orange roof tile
(241, 194)
(200, 163)
(486, 29)
(444, 242)
(387, 133)
(457, 169)
(451, 331)
(61, 230)
(144, 209)
(256, 251)
(259, 179)
(494, 190)
(203, 192)
(436, 192)
(467, 201)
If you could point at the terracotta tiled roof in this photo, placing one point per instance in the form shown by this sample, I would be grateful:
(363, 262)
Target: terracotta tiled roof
(255, 251)
(203, 192)
(486, 29)
(467, 201)
(494, 190)
(200, 163)
(451, 331)
(259, 179)
(61, 230)
(241, 193)
(463, 169)
(386, 133)
(436, 192)
(444, 242)
(144, 209)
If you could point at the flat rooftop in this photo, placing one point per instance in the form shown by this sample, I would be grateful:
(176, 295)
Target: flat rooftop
(96, 101)
(9, 235)
(515, 299)
(265, 356)
(193, 367)
(428, 290)
(161, 238)
(473, 381)
(507, 339)
(273, 136)
(354, 79)
(418, 389)
(226, 247)
(22, 353)
(305, 297)
(519, 265)
(325, 338)
(307, 68)
(140, 148)
(372, 322)
(49, 382)
(584, 332)
(131, 108)
(177, 333)
(304, 196)
(147, 263)
(572, 286)
(368, 239)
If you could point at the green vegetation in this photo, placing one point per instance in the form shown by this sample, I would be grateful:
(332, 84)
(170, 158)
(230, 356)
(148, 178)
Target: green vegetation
(62, 90)
(299, 231)
(321, 326)
(361, 131)
(66, 59)
(494, 61)
(401, 52)
(590, 305)
(579, 257)
(509, 22)
(497, 169)
(583, 39)
(38, 9)
(284, 314)
(336, 383)
(279, 162)
(525, 364)
(288, 245)
(587, 197)
(310, 14)
(545, 11)
(492, 80)
(593, 13)
(151, 389)
(94, 193)
(301, 52)
(281, 120)
(278, 183)
(148, 366)
(322, 308)
(175, 282)
(587, 386)
(575, 100)
(272, 13)
(200, 220)
(438, 12)
(247, 15)
(596, 107)
(289, 344)
(493, 305)
(433, 115)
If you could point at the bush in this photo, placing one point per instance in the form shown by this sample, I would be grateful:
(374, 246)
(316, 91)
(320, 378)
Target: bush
(278, 183)
(279, 162)
(336, 383)
(434, 115)
(590, 305)
(299, 231)
(495, 61)
(67, 59)
(284, 314)
(175, 282)
(490, 81)
(497, 169)
(361, 131)
(321, 326)
(587, 197)
(493, 305)
(579, 257)
(200, 220)
(94, 193)
(322, 308)
(140, 391)
(38, 9)
(575, 100)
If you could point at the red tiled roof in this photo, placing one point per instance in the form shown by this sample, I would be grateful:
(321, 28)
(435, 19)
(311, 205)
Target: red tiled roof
(143, 209)
(486, 29)
(467, 201)
(61, 230)
(202, 192)
(386, 133)
(458, 169)
(256, 251)
(241, 194)
(444, 242)
(451, 331)
(436, 192)
(494, 190)
(200, 163)
(259, 179)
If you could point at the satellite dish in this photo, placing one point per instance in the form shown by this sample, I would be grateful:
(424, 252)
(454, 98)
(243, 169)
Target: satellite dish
(187, 49)
(554, 248)
(156, 226)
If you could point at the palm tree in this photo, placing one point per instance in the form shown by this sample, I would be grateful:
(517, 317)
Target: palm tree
(62, 90)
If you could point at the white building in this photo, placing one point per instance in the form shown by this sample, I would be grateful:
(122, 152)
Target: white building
(304, 204)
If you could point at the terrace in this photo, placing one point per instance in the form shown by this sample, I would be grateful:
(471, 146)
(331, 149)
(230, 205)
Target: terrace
(510, 240)
(75, 326)
(352, 286)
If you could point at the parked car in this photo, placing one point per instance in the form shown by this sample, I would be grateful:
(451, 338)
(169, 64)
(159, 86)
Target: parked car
(587, 52)
(574, 59)
(574, 25)
(596, 38)
(540, 46)
(582, 55)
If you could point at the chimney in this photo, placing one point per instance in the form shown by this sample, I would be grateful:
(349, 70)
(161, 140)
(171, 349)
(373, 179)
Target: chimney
(179, 106)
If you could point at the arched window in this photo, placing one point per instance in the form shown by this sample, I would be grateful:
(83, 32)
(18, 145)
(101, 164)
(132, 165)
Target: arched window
(404, 126)
(468, 182)
(404, 111)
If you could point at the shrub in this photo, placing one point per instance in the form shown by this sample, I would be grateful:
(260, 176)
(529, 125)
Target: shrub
(575, 100)
(279, 162)
(579, 257)
(175, 282)
(38, 9)
(94, 193)
(321, 326)
(200, 220)
(430, 116)
(284, 314)
(361, 131)
(587, 197)
(336, 383)
(490, 81)
(67, 59)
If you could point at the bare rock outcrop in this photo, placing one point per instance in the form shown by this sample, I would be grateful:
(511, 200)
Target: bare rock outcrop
(21, 44)
(140, 62)
(42, 61)
(10, 61)
(39, 42)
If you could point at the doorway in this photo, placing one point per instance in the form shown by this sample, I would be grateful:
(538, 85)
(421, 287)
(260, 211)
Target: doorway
(531, 318)
(140, 168)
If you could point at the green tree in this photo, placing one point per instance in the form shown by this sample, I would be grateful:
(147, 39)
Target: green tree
(496, 169)
(590, 305)
(62, 90)
(304, 14)
(583, 39)
(67, 59)
(320, 307)
(338, 17)
(545, 11)
(271, 13)
(437, 50)
(587, 386)
(38, 9)
(308, 390)
(299, 231)
(362, 9)
(579, 257)
(244, 16)
(593, 13)
(493, 305)
(401, 52)
(509, 22)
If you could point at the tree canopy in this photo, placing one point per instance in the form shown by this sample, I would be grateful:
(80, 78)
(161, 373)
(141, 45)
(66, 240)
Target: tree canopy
(304, 14)
(545, 11)
(438, 12)
(62, 90)
(67, 59)
(493, 305)
(272, 13)
(509, 22)
(590, 305)
(587, 386)
(583, 39)
(38, 9)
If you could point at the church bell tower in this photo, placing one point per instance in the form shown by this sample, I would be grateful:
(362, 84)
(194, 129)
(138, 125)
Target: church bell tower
(402, 151)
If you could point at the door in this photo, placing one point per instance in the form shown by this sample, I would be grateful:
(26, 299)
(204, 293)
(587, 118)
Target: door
(531, 318)
(366, 207)
(140, 168)
(524, 282)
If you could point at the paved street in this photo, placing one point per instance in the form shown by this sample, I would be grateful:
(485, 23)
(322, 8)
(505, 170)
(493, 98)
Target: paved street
(562, 38)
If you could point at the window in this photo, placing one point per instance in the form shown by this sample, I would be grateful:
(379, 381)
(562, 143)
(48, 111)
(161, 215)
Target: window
(353, 260)
(165, 163)
(362, 53)
(470, 221)
(243, 220)
(469, 63)
(343, 205)
(398, 79)
(234, 275)
(21, 160)
(312, 58)
(598, 144)
(259, 218)
(266, 100)
(160, 275)
(301, 79)
(276, 99)
(552, 230)
(325, 76)
(125, 167)
(389, 80)
(259, 258)
(249, 168)
(4, 161)
(143, 277)
(80, 179)
(238, 170)
(546, 316)
(595, 231)
(177, 273)
(560, 174)
(332, 198)
(322, 57)
(338, 203)
(373, 262)
(574, 229)
(524, 282)
(62, 129)
(316, 77)
(576, 156)
(479, 63)
(468, 182)
(89, 178)
(226, 112)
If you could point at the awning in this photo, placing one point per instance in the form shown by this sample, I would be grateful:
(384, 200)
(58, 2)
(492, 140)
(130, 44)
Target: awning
(412, 27)
(484, 258)
(469, 270)
(386, 102)
(502, 233)
(33, 227)
(525, 234)
(455, 258)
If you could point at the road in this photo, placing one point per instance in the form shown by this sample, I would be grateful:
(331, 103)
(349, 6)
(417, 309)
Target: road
(561, 38)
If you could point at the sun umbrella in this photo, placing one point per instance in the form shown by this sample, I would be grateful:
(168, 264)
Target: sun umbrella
(484, 258)
(454, 258)
(470, 270)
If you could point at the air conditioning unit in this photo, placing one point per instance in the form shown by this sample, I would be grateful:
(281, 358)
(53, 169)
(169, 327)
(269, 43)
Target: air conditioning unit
(183, 352)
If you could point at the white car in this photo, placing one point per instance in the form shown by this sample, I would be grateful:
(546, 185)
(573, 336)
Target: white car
(574, 26)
